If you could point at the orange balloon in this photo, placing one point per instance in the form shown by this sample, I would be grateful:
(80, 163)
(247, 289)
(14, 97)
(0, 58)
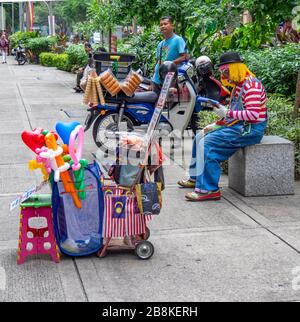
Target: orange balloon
(66, 179)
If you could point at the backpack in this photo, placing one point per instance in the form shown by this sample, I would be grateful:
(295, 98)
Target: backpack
(79, 231)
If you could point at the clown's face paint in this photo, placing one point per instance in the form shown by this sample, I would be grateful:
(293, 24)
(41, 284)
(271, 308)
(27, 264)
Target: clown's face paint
(224, 71)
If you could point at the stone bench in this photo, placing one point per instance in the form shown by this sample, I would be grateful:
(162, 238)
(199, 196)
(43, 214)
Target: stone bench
(263, 169)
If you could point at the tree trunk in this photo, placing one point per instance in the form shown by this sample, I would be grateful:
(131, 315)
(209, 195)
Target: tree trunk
(134, 25)
(297, 99)
(109, 40)
(102, 38)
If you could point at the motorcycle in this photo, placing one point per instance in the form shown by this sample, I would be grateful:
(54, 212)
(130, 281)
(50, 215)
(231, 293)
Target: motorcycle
(20, 55)
(180, 113)
(136, 111)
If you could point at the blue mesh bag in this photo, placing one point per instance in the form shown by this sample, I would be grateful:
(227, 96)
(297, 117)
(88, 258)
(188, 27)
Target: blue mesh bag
(79, 231)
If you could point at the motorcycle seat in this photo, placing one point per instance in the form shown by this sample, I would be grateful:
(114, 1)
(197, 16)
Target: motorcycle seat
(142, 97)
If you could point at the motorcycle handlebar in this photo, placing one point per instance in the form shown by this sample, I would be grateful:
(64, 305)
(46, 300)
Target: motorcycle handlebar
(207, 100)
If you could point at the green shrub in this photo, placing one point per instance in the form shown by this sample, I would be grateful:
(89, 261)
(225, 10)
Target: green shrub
(22, 37)
(60, 61)
(48, 59)
(281, 123)
(39, 45)
(77, 55)
(143, 46)
(276, 67)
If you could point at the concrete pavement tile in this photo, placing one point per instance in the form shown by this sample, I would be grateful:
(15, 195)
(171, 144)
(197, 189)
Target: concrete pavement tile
(9, 228)
(4, 102)
(88, 152)
(31, 95)
(55, 115)
(8, 95)
(173, 174)
(78, 113)
(18, 152)
(54, 101)
(12, 126)
(60, 74)
(47, 124)
(43, 85)
(71, 282)
(208, 266)
(179, 213)
(44, 92)
(16, 178)
(291, 234)
(9, 113)
(276, 209)
(13, 139)
(88, 137)
(39, 279)
(5, 91)
(45, 109)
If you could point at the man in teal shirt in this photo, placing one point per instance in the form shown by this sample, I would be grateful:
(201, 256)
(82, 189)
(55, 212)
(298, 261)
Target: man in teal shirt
(172, 48)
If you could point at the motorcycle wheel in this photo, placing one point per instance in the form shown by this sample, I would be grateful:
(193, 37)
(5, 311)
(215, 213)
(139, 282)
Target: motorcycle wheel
(105, 125)
(21, 61)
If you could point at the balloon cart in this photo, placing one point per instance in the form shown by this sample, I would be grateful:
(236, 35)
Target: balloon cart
(91, 214)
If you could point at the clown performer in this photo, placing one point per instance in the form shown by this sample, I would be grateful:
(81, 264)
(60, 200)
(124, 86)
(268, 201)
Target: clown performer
(242, 124)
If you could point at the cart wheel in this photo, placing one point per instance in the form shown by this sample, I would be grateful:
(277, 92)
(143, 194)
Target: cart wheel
(146, 235)
(144, 250)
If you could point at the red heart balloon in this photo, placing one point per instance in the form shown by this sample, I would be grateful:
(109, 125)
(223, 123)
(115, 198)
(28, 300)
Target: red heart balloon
(34, 139)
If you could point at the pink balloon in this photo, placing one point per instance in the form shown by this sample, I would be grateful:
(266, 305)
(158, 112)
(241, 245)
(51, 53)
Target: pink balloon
(78, 133)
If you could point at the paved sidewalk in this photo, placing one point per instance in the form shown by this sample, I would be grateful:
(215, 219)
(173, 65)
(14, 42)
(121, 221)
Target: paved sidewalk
(236, 249)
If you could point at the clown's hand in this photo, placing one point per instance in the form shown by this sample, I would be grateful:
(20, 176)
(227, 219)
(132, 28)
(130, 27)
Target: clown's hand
(221, 110)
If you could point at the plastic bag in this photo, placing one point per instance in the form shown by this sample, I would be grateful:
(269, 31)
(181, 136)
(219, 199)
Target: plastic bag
(149, 198)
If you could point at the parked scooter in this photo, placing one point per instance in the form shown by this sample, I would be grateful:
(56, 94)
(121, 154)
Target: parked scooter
(20, 54)
(137, 111)
(180, 113)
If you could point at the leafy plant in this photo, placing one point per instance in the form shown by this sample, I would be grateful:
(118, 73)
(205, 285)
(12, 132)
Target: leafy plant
(48, 59)
(77, 55)
(61, 61)
(39, 45)
(22, 37)
(282, 123)
(143, 46)
(276, 67)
